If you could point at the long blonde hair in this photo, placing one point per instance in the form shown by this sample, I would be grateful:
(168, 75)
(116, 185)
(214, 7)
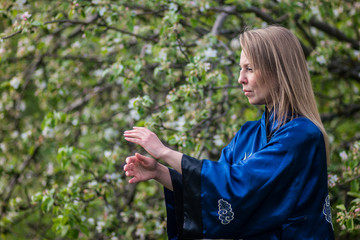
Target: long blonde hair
(277, 54)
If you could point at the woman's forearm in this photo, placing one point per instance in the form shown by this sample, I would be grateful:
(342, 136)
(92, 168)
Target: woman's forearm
(163, 176)
(173, 158)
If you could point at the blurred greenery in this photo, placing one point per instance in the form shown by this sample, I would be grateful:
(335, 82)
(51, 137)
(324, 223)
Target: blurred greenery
(76, 74)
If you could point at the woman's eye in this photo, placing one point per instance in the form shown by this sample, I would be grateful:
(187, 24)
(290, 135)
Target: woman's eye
(249, 69)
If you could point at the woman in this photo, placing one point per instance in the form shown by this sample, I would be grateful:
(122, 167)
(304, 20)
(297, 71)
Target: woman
(271, 180)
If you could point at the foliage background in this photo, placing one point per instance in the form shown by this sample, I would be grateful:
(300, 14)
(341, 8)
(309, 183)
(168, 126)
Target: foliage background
(76, 74)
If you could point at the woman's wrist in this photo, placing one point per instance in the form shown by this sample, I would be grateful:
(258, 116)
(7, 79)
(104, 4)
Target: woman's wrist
(165, 153)
(163, 176)
(172, 158)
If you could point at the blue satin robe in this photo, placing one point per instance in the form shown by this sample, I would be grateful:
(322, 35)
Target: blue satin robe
(259, 189)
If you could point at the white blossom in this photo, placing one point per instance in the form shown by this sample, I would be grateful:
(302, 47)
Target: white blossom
(113, 176)
(76, 44)
(110, 133)
(209, 53)
(136, 29)
(14, 134)
(102, 11)
(71, 181)
(140, 232)
(98, 73)
(107, 153)
(48, 132)
(356, 54)
(134, 115)
(50, 168)
(118, 67)
(333, 179)
(100, 225)
(218, 141)
(75, 122)
(321, 59)
(173, 7)
(344, 156)
(31, 48)
(15, 82)
(148, 49)
(235, 44)
(132, 102)
(91, 221)
(124, 217)
(20, 3)
(115, 106)
(26, 16)
(315, 10)
(162, 55)
(120, 81)
(179, 124)
(3, 147)
(207, 66)
(26, 135)
(92, 183)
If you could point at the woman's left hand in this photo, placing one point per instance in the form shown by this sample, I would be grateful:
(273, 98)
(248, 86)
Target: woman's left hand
(148, 140)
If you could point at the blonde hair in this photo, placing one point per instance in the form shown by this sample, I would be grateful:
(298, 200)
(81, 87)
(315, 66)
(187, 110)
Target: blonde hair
(277, 55)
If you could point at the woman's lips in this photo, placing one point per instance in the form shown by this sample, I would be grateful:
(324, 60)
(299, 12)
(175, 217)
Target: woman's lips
(247, 92)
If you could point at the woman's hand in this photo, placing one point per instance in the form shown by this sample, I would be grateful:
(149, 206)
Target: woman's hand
(148, 140)
(141, 168)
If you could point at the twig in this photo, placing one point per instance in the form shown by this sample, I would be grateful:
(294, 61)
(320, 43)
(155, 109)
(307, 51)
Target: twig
(332, 31)
(221, 19)
(11, 35)
(181, 43)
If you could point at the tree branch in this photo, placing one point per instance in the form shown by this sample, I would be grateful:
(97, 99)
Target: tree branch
(13, 181)
(347, 111)
(153, 38)
(82, 101)
(332, 31)
(221, 19)
(12, 35)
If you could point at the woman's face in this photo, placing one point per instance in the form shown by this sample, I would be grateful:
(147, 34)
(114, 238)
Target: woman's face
(256, 94)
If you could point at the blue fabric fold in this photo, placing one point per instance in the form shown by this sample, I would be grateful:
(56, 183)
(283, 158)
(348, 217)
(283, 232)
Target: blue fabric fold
(261, 188)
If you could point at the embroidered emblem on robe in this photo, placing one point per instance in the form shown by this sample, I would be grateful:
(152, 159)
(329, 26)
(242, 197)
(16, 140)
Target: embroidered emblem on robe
(226, 214)
(246, 157)
(327, 211)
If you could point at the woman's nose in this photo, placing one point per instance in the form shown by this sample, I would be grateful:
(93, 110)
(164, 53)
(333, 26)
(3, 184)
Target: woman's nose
(242, 79)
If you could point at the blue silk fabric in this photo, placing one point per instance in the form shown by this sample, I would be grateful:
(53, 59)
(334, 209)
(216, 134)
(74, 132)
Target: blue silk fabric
(259, 189)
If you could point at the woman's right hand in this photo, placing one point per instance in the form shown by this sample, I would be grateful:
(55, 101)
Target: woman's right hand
(141, 168)
(148, 140)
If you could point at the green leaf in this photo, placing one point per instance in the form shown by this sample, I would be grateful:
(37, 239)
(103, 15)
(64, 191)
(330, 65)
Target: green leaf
(354, 186)
(47, 204)
(73, 233)
(64, 230)
(138, 67)
(36, 23)
(350, 224)
(84, 229)
(341, 207)
(354, 194)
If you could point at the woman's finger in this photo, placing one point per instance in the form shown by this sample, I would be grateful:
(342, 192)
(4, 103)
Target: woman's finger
(133, 140)
(130, 159)
(142, 158)
(133, 135)
(133, 180)
(129, 167)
